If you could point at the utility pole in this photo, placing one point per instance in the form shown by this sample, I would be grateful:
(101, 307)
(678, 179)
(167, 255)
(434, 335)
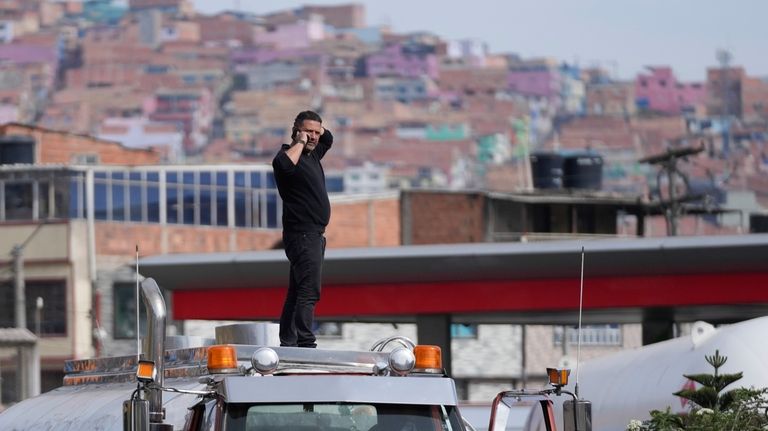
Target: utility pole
(724, 58)
(672, 207)
(22, 382)
(19, 289)
(27, 364)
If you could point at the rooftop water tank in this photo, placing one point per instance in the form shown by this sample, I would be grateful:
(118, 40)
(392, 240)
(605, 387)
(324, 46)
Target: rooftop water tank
(583, 171)
(547, 170)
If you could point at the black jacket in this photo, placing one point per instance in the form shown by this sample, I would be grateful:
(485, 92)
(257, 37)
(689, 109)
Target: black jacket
(306, 207)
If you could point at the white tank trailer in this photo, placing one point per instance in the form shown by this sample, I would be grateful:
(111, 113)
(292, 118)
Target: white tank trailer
(629, 384)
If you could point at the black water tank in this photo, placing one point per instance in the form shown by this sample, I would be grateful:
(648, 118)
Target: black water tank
(583, 171)
(17, 149)
(758, 223)
(547, 170)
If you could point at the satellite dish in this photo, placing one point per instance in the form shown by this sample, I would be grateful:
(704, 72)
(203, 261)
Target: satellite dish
(700, 331)
(567, 361)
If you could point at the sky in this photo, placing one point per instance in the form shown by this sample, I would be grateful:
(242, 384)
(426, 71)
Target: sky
(622, 36)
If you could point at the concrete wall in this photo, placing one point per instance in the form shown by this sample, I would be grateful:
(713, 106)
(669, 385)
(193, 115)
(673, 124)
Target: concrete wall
(81, 290)
(51, 254)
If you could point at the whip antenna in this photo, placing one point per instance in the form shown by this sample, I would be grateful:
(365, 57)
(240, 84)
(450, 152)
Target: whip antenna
(138, 342)
(578, 344)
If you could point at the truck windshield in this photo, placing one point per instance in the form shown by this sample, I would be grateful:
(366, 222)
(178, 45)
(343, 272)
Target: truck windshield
(341, 417)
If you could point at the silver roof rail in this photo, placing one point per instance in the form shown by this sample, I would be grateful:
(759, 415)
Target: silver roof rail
(406, 342)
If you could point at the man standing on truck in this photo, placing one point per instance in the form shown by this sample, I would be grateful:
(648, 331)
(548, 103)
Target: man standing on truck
(306, 210)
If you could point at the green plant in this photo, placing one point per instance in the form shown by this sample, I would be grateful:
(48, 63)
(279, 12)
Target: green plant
(712, 409)
(709, 396)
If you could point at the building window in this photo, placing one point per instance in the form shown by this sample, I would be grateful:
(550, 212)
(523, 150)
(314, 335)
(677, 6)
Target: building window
(207, 202)
(273, 219)
(172, 196)
(463, 330)
(100, 200)
(18, 201)
(43, 196)
(124, 295)
(199, 198)
(591, 335)
(119, 197)
(137, 197)
(189, 198)
(253, 204)
(153, 69)
(153, 197)
(240, 200)
(85, 159)
(76, 197)
(53, 315)
(220, 198)
(256, 179)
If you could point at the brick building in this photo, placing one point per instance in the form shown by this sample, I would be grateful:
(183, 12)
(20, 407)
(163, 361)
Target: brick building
(754, 99)
(611, 99)
(724, 91)
(49, 146)
(472, 82)
(660, 91)
(224, 27)
(339, 16)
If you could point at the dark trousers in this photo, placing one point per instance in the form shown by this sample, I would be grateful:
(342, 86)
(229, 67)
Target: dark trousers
(305, 251)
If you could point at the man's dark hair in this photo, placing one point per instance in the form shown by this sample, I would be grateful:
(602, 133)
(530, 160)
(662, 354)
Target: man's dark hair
(307, 115)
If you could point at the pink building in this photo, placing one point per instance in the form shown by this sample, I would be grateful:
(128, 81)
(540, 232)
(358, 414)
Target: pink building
(660, 91)
(541, 81)
(405, 60)
(299, 34)
(22, 55)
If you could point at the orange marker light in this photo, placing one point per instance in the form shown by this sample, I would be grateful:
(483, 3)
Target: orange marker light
(558, 377)
(222, 359)
(146, 371)
(428, 358)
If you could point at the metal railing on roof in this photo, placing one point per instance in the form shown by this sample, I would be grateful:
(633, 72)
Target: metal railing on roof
(552, 236)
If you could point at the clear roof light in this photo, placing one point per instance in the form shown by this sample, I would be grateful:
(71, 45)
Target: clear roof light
(265, 360)
(401, 361)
